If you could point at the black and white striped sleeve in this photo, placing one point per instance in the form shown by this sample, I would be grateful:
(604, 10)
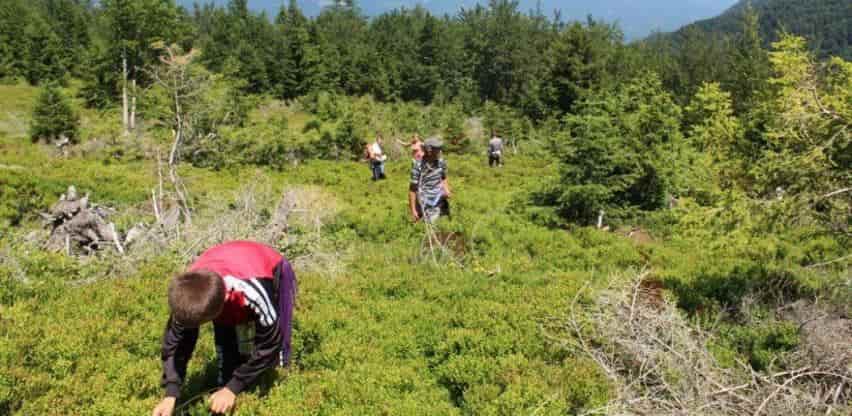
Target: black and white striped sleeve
(259, 294)
(259, 299)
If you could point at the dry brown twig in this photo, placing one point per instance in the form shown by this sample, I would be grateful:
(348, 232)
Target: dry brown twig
(660, 364)
(437, 246)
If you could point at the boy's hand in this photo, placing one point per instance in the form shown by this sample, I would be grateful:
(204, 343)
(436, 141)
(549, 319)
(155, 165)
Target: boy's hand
(165, 408)
(222, 401)
(414, 216)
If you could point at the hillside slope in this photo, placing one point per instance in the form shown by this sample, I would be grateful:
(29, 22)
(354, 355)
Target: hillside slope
(827, 23)
(388, 322)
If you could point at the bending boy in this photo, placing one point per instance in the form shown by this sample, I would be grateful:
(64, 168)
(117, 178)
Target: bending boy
(234, 285)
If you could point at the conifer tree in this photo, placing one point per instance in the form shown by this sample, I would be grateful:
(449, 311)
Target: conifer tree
(426, 77)
(69, 20)
(750, 63)
(44, 54)
(623, 155)
(14, 46)
(292, 62)
(53, 117)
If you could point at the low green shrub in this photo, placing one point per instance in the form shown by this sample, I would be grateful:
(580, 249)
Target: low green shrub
(53, 116)
(762, 344)
(391, 331)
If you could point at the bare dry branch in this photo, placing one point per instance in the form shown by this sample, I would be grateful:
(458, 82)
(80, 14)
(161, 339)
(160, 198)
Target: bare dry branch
(661, 365)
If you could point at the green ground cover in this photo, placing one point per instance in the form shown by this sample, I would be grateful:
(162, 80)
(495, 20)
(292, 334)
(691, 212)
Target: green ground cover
(389, 332)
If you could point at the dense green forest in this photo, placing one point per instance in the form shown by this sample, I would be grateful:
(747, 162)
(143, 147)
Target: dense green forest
(670, 233)
(825, 23)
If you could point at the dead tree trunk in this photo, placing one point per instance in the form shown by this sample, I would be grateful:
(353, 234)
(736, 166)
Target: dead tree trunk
(124, 121)
(182, 87)
(178, 132)
(78, 226)
(133, 105)
(173, 174)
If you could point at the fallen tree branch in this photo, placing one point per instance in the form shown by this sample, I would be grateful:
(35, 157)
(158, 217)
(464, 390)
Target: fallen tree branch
(837, 192)
(116, 239)
(826, 263)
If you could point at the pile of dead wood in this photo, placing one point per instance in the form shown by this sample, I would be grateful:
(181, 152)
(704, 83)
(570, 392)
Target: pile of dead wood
(661, 363)
(78, 226)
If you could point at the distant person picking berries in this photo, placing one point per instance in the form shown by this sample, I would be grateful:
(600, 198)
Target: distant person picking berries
(377, 158)
(495, 150)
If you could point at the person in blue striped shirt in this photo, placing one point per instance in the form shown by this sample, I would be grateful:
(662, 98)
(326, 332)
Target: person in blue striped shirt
(429, 190)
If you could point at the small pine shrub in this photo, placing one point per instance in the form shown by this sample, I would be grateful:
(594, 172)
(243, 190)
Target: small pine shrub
(762, 344)
(53, 116)
(622, 154)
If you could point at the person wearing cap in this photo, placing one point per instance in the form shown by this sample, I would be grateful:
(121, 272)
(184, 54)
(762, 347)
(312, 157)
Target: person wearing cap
(429, 191)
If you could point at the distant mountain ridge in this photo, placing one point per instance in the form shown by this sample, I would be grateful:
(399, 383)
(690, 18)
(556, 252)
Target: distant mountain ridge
(637, 18)
(826, 23)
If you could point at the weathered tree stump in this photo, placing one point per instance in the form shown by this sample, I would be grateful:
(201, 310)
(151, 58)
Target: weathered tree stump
(78, 227)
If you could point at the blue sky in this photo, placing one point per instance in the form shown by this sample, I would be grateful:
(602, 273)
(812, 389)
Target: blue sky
(637, 18)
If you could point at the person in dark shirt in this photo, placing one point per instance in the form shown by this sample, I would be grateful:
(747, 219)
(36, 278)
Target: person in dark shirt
(236, 285)
(495, 150)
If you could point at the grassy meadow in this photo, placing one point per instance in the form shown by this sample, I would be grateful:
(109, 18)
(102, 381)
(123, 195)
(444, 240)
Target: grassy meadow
(381, 326)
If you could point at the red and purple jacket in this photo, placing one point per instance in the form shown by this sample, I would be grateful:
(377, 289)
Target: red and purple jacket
(246, 267)
(260, 287)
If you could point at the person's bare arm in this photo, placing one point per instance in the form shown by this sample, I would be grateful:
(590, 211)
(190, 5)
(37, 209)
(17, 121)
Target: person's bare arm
(412, 202)
(445, 184)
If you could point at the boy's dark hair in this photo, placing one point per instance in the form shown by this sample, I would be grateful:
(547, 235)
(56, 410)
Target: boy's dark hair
(196, 297)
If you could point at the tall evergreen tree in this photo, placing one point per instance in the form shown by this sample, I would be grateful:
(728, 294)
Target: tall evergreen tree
(14, 44)
(128, 30)
(426, 72)
(70, 20)
(578, 59)
(291, 52)
(45, 58)
(623, 154)
(346, 60)
(749, 63)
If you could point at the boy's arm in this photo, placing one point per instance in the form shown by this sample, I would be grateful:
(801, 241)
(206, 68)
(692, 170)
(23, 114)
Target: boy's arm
(267, 348)
(178, 345)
